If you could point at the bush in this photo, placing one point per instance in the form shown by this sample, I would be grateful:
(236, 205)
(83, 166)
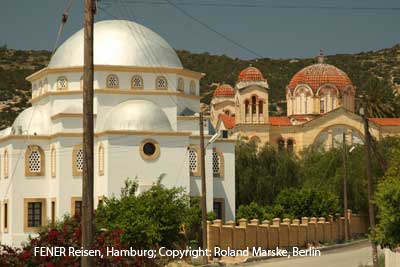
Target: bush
(251, 211)
(66, 233)
(294, 203)
(150, 219)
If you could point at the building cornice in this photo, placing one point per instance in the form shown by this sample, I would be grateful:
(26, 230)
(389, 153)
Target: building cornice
(115, 91)
(180, 71)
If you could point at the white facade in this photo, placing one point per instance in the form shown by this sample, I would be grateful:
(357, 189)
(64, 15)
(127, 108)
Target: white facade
(146, 125)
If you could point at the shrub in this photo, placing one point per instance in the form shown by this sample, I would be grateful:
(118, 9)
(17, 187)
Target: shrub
(149, 219)
(251, 211)
(294, 203)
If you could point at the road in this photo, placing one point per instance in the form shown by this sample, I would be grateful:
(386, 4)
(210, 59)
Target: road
(354, 256)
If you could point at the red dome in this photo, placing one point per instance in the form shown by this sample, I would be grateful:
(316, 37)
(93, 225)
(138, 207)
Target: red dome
(224, 90)
(251, 74)
(319, 74)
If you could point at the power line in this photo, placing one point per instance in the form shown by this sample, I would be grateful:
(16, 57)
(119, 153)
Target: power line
(260, 5)
(213, 30)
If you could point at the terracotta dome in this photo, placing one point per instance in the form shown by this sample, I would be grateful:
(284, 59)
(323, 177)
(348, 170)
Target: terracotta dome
(224, 90)
(250, 74)
(319, 74)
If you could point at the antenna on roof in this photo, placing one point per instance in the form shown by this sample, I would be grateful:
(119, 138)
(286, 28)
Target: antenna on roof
(320, 57)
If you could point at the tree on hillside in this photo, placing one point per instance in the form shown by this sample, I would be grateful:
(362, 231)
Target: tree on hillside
(379, 98)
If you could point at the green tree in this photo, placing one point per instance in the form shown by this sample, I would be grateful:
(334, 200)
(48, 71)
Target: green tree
(251, 211)
(387, 199)
(261, 173)
(149, 219)
(296, 203)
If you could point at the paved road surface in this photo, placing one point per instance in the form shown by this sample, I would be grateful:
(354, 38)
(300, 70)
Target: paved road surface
(344, 257)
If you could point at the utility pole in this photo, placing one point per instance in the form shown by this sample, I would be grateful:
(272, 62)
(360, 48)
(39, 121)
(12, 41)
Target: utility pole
(87, 177)
(371, 208)
(203, 187)
(345, 206)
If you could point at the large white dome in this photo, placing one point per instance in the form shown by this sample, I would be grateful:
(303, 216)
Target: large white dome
(137, 115)
(118, 43)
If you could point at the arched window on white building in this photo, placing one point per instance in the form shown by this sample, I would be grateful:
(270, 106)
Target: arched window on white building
(161, 83)
(81, 83)
(112, 81)
(53, 159)
(137, 82)
(192, 88)
(217, 163)
(62, 83)
(77, 160)
(181, 85)
(34, 161)
(101, 160)
(45, 85)
(6, 164)
(193, 162)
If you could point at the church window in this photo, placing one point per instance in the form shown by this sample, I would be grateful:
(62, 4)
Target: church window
(217, 163)
(34, 161)
(281, 144)
(34, 213)
(219, 208)
(5, 208)
(253, 104)
(78, 208)
(322, 106)
(305, 105)
(112, 81)
(45, 85)
(77, 160)
(192, 88)
(149, 149)
(193, 161)
(6, 164)
(62, 83)
(290, 145)
(246, 107)
(101, 160)
(137, 82)
(260, 107)
(40, 87)
(53, 162)
(181, 85)
(81, 83)
(161, 83)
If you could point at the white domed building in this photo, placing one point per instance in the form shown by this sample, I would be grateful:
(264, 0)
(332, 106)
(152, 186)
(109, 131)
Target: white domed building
(146, 125)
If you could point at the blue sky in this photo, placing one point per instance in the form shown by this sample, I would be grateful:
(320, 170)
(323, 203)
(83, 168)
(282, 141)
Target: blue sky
(268, 29)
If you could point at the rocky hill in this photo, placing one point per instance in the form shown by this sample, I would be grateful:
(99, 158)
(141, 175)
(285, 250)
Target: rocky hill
(15, 65)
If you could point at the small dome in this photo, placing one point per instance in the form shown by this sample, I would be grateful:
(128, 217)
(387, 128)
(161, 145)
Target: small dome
(118, 43)
(32, 121)
(251, 74)
(137, 115)
(319, 74)
(224, 90)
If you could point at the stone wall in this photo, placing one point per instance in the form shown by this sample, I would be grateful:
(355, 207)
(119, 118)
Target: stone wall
(283, 233)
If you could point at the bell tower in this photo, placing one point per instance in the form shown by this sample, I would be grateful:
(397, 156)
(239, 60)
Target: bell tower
(251, 98)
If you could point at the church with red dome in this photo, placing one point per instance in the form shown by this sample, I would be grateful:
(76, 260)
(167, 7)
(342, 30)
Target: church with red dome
(320, 102)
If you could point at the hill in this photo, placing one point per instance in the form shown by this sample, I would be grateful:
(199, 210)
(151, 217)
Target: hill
(15, 65)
